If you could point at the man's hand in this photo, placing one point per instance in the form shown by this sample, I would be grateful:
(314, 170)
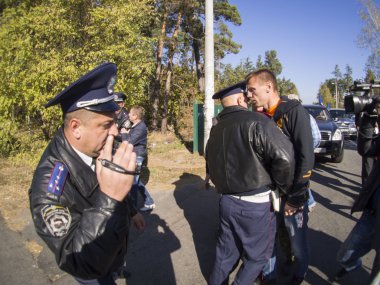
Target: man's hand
(138, 221)
(114, 184)
(289, 210)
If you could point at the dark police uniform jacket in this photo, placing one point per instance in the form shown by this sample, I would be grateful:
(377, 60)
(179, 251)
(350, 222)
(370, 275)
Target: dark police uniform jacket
(247, 153)
(86, 230)
(294, 120)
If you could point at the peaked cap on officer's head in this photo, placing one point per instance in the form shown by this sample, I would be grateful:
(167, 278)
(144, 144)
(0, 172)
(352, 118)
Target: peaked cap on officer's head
(230, 90)
(93, 91)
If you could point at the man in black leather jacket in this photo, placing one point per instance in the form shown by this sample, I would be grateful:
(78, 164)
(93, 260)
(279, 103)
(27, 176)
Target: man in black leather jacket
(81, 214)
(366, 233)
(246, 156)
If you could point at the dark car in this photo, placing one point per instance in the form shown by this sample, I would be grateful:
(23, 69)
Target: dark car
(331, 137)
(345, 122)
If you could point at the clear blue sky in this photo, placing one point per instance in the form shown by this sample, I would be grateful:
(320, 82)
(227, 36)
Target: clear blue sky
(310, 37)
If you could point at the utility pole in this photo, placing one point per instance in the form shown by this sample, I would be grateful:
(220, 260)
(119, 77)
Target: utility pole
(209, 70)
(336, 93)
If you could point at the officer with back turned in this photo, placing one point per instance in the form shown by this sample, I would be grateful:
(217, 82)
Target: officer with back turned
(247, 156)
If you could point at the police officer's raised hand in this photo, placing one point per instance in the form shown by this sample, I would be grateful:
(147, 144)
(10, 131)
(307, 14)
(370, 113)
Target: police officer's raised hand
(113, 183)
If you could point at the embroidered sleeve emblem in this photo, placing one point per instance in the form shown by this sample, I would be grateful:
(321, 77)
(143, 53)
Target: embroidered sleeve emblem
(57, 219)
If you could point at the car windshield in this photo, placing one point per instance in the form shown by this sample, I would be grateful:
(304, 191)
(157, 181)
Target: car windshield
(340, 114)
(319, 113)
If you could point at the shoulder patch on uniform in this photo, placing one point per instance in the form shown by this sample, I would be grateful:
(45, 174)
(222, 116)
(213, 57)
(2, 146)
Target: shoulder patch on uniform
(57, 219)
(58, 178)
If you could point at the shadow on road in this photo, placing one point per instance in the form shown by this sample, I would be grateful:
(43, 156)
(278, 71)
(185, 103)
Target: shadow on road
(335, 184)
(149, 255)
(323, 250)
(200, 208)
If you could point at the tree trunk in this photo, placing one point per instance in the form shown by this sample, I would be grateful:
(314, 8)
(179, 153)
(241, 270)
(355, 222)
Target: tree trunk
(155, 98)
(164, 122)
(199, 66)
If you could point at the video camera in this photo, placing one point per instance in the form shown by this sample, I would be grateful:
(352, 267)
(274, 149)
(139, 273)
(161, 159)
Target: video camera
(365, 103)
(124, 123)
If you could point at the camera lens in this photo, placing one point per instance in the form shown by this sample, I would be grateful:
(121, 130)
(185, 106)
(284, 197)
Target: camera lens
(356, 104)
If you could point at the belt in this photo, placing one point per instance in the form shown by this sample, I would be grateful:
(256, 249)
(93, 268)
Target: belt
(257, 198)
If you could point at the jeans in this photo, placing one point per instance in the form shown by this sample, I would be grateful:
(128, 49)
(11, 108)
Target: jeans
(358, 242)
(310, 202)
(292, 241)
(269, 269)
(139, 187)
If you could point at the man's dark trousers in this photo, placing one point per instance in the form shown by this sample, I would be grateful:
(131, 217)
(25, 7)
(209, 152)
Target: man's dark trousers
(246, 231)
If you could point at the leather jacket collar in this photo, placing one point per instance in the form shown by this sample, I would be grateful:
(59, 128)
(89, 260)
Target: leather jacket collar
(84, 179)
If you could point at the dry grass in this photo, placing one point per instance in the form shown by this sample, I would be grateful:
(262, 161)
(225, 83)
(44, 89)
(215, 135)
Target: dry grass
(169, 160)
(15, 180)
(169, 163)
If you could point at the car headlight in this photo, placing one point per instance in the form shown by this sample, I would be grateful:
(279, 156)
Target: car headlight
(337, 135)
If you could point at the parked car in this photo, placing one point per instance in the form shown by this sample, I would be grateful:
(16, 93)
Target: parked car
(332, 139)
(345, 122)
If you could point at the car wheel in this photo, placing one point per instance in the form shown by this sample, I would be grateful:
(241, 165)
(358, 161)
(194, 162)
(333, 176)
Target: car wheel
(337, 157)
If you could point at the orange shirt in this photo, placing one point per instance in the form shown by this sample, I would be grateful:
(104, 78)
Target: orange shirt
(271, 110)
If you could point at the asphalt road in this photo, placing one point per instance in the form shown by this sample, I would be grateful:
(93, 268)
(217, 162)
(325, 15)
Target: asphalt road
(178, 245)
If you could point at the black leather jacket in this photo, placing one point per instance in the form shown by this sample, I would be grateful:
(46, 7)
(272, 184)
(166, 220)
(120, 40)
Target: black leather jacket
(86, 230)
(246, 152)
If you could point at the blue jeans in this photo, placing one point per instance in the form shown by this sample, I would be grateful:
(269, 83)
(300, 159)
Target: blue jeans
(358, 242)
(269, 269)
(139, 187)
(292, 241)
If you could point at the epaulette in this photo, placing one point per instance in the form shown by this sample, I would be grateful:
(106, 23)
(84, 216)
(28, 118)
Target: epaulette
(58, 178)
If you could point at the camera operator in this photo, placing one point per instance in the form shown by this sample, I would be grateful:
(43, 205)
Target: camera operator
(367, 161)
(366, 233)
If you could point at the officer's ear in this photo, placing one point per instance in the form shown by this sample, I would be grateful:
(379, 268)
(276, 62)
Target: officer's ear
(74, 127)
(242, 100)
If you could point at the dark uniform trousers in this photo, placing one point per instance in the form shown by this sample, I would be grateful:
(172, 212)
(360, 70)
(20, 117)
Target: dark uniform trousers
(246, 231)
(107, 280)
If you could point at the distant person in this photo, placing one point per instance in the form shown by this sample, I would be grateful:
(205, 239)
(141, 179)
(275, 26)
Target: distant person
(247, 156)
(294, 121)
(79, 189)
(366, 233)
(137, 134)
(122, 115)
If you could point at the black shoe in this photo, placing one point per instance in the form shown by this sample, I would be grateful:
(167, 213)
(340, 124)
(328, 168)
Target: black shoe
(341, 274)
(121, 274)
(125, 274)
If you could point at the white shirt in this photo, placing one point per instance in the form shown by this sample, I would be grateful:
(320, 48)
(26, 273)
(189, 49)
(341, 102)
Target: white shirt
(86, 159)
